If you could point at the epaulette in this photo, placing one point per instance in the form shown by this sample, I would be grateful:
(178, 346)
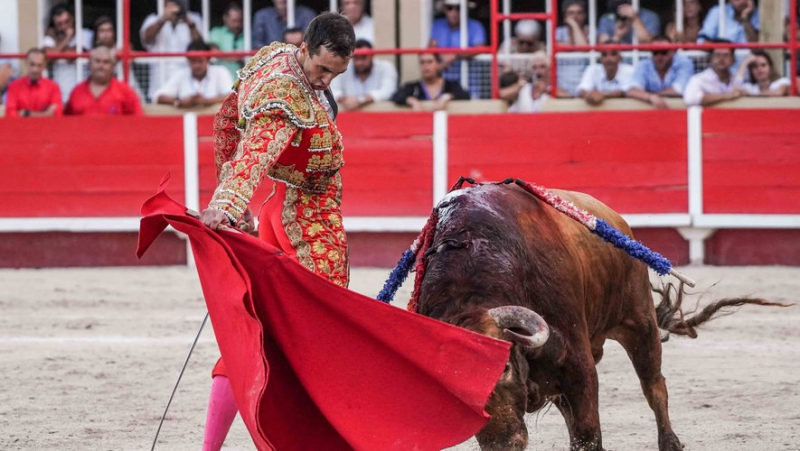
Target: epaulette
(281, 89)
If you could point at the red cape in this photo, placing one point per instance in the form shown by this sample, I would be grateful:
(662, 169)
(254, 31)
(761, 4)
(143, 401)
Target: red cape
(316, 366)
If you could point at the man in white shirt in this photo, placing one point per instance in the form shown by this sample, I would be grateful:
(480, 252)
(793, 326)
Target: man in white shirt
(605, 80)
(362, 23)
(715, 84)
(171, 32)
(61, 37)
(199, 85)
(367, 80)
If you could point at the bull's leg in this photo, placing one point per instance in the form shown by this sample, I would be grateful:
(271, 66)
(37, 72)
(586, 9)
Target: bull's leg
(643, 345)
(579, 404)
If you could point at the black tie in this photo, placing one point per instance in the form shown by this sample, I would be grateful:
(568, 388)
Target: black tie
(332, 102)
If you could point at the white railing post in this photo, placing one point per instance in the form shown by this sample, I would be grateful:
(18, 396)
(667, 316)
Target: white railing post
(695, 235)
(592, 29)
(439, 156)
(462, 35)
(206, 11)
(247, 10)
(191, 171)
(78, 40)
(721, 32)
(333, 5)
(290, 6)
(679, 16)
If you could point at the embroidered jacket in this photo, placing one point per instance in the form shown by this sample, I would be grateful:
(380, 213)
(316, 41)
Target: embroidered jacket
(273, 125)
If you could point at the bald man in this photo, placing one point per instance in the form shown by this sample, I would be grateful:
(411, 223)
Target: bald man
(102, 93)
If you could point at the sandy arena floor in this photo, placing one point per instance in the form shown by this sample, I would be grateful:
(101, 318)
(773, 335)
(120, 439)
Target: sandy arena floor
(90, 357)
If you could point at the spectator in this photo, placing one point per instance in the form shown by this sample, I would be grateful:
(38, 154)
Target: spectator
(741, 22)
(605, 80)
(367, 80)
(293, 36)
(715, 84)
(33, 95)
(171, 32)
(8, 73)
(102, 94)
(362, 23)
(528, 95)
(446, 32)
(575, 31)
(764, 80)
(432, 86)
(663, 75)
(201, 85)
(623, 21)
(104, 33)
(60, 37)
(270, 23)
(692, 22)
(527, 38)
(229, 37)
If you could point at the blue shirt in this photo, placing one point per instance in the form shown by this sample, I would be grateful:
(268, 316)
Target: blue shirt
(646, 76)
(734, 31)
(268, 26)
(649, 19)
(447, 37)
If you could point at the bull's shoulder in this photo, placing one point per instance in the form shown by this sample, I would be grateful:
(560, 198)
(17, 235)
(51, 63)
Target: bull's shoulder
(595, 207)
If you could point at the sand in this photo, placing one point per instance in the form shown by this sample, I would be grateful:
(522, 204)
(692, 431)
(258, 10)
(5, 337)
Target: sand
(90, 357)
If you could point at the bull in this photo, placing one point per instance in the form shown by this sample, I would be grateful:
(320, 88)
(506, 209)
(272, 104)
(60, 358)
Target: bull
(507, 265)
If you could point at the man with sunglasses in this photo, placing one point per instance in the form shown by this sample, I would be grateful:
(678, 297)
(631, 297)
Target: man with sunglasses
(605, 80)
(663, 75)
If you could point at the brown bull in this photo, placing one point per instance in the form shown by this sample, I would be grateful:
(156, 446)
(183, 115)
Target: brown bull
(504, 264)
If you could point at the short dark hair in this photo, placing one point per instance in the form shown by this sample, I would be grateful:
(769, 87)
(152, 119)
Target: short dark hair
(720, 41)
(568, 3)
(332, 31)
(363, 44)
(233, 6)
(436, 56)
(198, 45)
(57, 10)
(292, 30)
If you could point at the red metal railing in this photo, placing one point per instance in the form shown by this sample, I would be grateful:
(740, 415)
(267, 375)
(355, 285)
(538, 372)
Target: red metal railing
(127, 55)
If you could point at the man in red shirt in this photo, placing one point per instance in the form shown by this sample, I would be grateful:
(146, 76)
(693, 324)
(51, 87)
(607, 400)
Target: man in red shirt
(102, 93)
(34, 95)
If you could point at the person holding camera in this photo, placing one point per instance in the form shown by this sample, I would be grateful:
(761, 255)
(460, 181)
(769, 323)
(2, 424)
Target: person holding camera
(623, 21)
(172, 31)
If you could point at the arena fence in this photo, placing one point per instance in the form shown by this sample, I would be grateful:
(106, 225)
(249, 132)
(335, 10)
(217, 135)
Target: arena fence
(695, 170)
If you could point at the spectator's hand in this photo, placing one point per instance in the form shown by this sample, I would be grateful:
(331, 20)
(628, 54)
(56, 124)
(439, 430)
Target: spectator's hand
(447, 59)
(571, 22)
(747, 11)
(349, 103)
(735, 94)
(69, 33)
(441, 103)
(414, 103)
(621, 28)
(171, 11)
(595, 98)
(539, 89)
(658, 102)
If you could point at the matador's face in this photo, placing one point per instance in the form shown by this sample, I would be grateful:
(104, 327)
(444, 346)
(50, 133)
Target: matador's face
(322, 68)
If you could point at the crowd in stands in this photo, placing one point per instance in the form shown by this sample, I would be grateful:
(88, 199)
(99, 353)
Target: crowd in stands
(525, 81)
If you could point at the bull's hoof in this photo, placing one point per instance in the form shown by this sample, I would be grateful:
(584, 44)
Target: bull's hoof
(669, 443)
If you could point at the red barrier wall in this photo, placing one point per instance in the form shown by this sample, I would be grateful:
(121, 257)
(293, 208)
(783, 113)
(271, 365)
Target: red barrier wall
(633, 161)
(751, 162)
(87, 167)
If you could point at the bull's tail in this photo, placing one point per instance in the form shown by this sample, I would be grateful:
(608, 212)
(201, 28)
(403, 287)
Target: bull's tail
(672, 319)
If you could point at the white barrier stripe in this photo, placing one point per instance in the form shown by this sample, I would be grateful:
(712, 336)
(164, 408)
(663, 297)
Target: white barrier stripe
(106, 339)
(734, 221)
(440, 151)
(694, 116)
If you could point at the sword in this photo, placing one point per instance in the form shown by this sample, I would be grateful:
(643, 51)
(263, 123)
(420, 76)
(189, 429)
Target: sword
(174, 389)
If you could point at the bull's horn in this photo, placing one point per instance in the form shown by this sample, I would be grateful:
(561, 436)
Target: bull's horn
(511, 316)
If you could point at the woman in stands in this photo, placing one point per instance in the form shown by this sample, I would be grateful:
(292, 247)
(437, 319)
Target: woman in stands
(764, 81)
(431, 87)
(692, 23)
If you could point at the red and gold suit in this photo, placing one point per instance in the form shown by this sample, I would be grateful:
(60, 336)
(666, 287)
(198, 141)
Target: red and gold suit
(274, 125)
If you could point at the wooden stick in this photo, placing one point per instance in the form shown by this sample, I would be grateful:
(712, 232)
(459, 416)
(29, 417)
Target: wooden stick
(682, 277)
